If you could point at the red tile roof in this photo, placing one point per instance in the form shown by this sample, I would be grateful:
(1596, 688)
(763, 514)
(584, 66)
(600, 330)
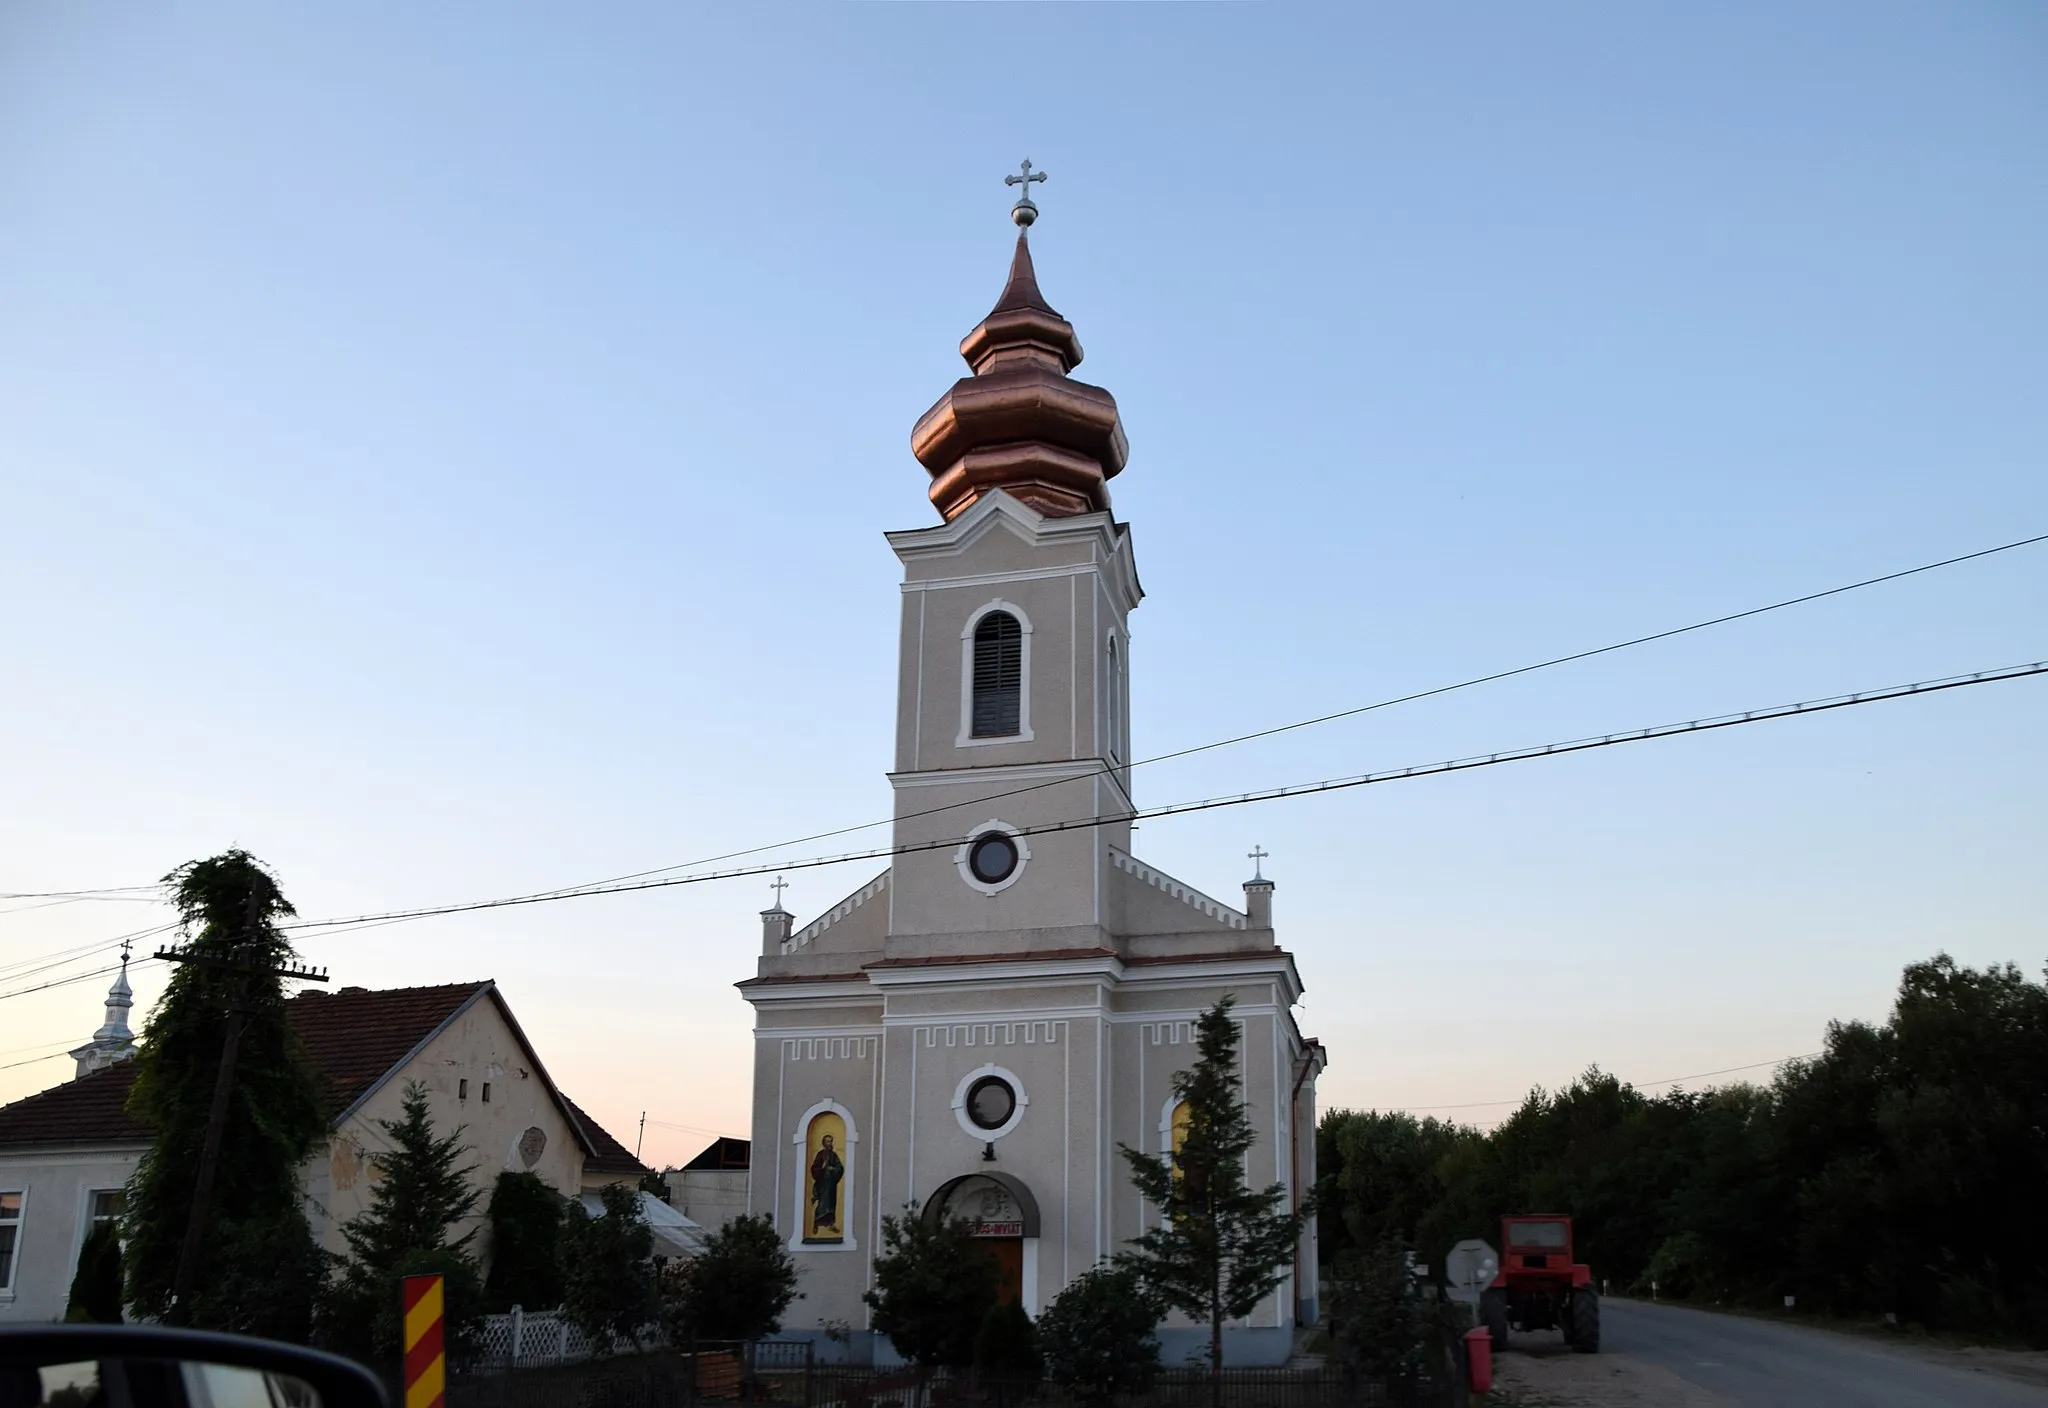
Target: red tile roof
(356, 1037)
(606, 1154)
(90, 1110)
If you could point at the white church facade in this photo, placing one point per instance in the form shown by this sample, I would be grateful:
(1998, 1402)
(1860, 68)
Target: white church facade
(978, 1028)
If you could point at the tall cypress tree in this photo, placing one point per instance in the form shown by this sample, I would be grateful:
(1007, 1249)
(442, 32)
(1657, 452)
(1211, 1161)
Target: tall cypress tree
(1221, 1246)
(258, 1265)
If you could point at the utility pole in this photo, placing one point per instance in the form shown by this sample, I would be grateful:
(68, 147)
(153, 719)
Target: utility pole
(641, 1137)
(244, 962)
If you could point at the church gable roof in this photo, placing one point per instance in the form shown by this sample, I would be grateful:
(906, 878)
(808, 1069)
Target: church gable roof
(857, 924)
(1153, 902)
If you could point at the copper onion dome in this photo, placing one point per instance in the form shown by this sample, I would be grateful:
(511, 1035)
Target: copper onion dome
(1019, 423)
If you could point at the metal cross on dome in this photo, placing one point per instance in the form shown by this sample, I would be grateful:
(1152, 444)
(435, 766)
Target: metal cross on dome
(1258, 856)
(1024, 212)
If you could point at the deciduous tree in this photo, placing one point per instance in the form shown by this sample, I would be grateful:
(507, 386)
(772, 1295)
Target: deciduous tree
(737, 1288)
(526, 1244)
(1097, 1336)
(933, 1287)
(608, 1269)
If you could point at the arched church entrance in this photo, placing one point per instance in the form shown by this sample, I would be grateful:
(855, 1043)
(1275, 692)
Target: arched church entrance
(1003, 1216)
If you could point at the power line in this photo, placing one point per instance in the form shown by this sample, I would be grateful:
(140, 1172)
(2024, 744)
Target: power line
(75, 894)
(1335, 784)
(34, 1060)
(600, 886)
(14, 971)
(66, 982)
(597, 885)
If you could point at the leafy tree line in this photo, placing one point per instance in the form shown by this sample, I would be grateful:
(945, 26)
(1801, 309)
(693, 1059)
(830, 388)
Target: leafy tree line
(1895, 1172)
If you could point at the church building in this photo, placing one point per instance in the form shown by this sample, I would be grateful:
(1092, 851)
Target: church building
(979, 1027)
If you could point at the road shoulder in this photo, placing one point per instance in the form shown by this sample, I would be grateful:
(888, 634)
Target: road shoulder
(1556, 1377)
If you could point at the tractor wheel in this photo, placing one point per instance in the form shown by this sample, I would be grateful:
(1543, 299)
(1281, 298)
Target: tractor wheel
(1584, 1314)
(1493, 1313)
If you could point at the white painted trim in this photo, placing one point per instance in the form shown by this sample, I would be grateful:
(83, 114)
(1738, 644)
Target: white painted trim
(1113, 693)
(20, 1241)
(998, 579)
(837, 912)
(1077, 769)
(833, 993)
(1176, 889)
(1031, 1277)
(801, 1138)
(1023, 733)
(1017, 839)
(1109, 542)
(812, 1033)
(917, 708)
(1102, 965)
(966, 1121)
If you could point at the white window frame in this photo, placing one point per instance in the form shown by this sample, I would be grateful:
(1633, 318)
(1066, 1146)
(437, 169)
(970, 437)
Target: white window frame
(801, 1138)
(966, 849)
(1023, 733)
(20, 1225)
(975, 1131)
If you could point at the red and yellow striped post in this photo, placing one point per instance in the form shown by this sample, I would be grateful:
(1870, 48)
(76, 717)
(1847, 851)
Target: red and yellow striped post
(426, 1358)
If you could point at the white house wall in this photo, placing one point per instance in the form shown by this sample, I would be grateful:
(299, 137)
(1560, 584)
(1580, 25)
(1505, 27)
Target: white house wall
(57, 1186)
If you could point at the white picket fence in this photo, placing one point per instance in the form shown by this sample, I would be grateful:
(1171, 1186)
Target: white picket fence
(528, 1339)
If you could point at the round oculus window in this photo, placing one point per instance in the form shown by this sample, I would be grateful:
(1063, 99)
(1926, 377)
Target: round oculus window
(992, 858)
(991, 1102)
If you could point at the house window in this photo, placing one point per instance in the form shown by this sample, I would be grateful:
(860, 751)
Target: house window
(105, 1205)
(487, 1092)
(998, 676)
(10, 1235)
(462, 1089)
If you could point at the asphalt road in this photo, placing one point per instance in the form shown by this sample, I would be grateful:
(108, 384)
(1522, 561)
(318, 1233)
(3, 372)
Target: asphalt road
(1770, 1364)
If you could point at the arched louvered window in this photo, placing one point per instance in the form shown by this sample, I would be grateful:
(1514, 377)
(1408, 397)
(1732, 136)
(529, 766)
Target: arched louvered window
(998, 676)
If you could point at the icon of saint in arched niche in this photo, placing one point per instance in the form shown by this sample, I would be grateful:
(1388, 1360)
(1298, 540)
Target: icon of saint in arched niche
(825, 1179)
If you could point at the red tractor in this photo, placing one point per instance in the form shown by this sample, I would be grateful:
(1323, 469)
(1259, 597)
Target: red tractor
(1539, 1286)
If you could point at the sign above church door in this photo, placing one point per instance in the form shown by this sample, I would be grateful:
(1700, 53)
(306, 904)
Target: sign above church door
(987, 1208)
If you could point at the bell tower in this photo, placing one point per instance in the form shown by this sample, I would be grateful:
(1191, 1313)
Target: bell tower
(1013, 714)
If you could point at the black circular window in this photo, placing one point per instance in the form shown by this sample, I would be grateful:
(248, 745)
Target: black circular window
(991, 1102)
(992, 858)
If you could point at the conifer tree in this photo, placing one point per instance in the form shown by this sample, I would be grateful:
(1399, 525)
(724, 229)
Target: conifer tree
(258, 1265)
(1220, 1246)
(423, 1191)
(96, 1285)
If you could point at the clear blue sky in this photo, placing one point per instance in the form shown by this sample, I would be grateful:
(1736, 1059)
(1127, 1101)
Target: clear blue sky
(446, 451)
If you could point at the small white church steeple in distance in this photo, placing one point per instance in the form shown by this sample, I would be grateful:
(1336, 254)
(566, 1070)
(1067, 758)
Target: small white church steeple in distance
(113, 1041)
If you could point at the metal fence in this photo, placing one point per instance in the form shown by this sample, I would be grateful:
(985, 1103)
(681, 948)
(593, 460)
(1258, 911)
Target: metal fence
(786, 1373)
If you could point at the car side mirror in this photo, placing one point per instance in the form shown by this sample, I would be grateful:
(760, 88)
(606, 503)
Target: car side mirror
(152, 1366)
